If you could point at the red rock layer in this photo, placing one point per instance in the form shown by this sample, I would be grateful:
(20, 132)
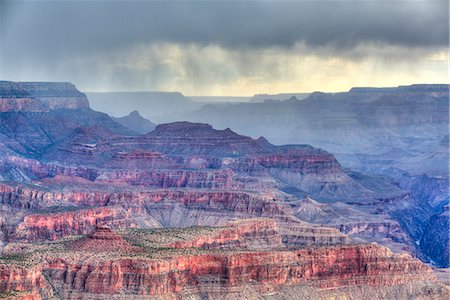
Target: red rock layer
(320, 267)
(21, 279)
(242, 234)
(254, 204)
(44, 227)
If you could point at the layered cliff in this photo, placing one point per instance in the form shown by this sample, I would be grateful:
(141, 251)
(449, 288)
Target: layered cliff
(213, 262)
(89, 172)
(166, 207)
(319, 268)
(246, 234)
(30, 283)
(40, 96)
(51, 226)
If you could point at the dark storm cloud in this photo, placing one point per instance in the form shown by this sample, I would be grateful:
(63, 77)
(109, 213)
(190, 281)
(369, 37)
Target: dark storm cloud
(50, 29)
(224, 48)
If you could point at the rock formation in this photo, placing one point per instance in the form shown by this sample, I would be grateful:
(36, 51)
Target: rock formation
(187, 210)
(118, 270)
(51, 226)
(103, 239)
(40, 96)
(136, 122)
(246, 234)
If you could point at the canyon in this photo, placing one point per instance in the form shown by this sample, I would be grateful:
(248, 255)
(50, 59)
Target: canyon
(201, 262)
(94, 207)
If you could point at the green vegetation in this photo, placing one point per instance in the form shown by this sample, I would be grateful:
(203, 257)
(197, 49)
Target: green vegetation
(9, 294)
(161, 237)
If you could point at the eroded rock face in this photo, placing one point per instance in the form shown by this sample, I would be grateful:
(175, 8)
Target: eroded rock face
(22, 279)
(217, 179)
(51, 226)
(298, 234)
(369, 228)
(104, 264)
(103, 239)
(179, 175)
(247, 234)
(166, 207)
(40, 96)
(322, 268)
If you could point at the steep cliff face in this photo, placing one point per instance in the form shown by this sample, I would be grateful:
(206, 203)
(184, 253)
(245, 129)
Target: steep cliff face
(432, 190)
(31, 281)
(321, 268)
(165, 207)
(247, 234)
(51, 226)
(388, 229)
(303, 235)
(212, 179)
(40, 96)
(140, 264)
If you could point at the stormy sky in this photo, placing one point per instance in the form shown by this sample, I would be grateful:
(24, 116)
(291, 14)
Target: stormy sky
(225, 48)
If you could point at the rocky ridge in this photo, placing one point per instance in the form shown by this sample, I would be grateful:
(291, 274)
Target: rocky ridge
(184, 273)
(60, 182)
(40, 96)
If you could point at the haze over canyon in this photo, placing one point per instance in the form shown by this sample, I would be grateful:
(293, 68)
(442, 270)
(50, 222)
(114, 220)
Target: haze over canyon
(95, 206)
(230, 150)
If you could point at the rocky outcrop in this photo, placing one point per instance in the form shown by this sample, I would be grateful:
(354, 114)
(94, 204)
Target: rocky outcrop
(304, 159)
(309, 210)
(103, 239)
(136, 122)
(212, 179)
(40, 96)
(299, 234)
(333, 267)
(246, 234)
(51, 226)
(35, 197)
(388, 229)
(103, 265)
(180, 207)
(29, 281)
(26, 169)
